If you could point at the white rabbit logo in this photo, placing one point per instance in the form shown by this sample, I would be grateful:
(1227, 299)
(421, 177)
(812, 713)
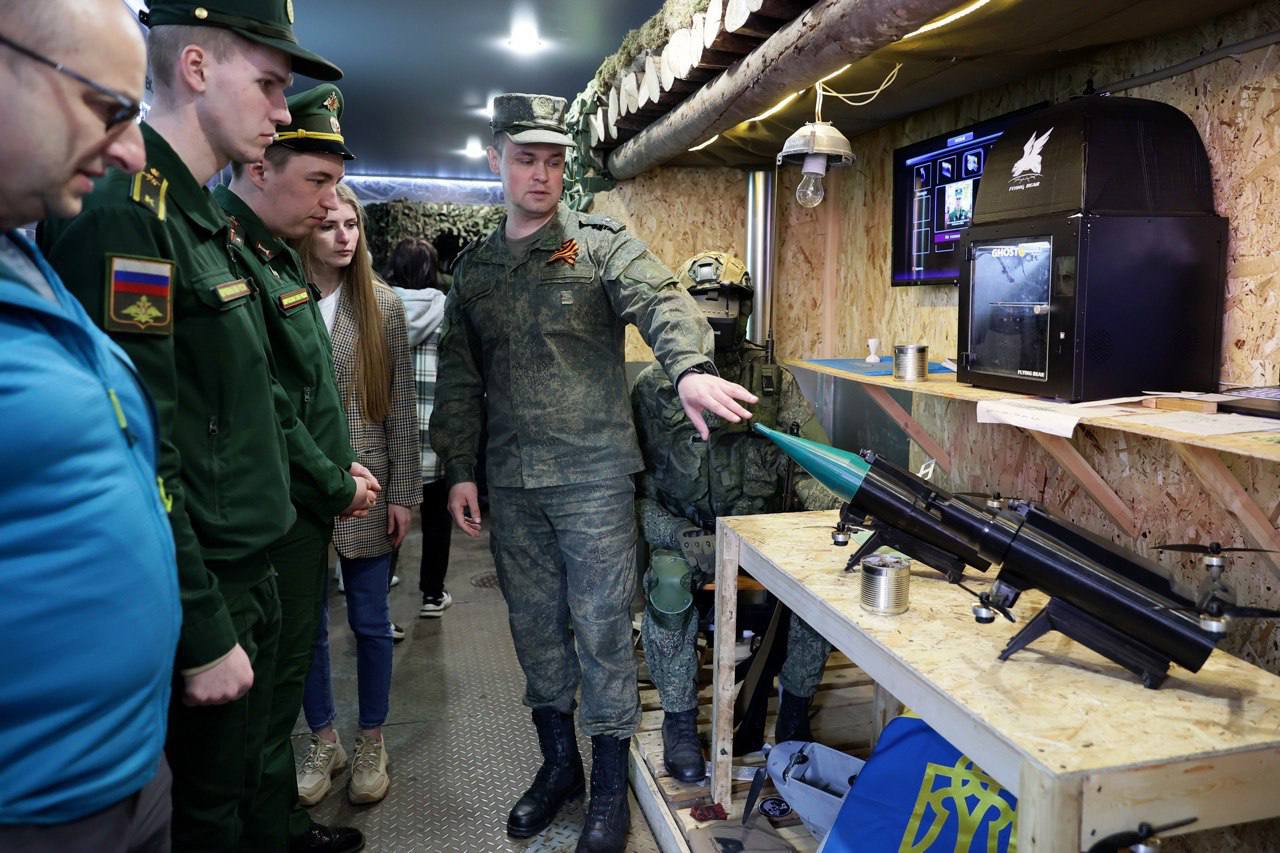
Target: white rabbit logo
(1030, 160)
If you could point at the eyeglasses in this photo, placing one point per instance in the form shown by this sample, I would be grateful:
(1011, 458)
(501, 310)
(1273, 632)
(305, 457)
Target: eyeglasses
(125, 109)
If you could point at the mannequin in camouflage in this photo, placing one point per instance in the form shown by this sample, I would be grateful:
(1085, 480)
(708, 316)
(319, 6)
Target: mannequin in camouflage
(688, 483)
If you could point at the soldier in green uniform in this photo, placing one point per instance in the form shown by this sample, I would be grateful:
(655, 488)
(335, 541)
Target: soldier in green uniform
(149, 259)
(689, 483)
(284, 197)
(533, 346)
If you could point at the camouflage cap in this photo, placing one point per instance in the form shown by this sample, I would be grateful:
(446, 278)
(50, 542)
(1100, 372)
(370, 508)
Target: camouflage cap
(315, 125)
(714, 270)
(267, 22)
(530, 118)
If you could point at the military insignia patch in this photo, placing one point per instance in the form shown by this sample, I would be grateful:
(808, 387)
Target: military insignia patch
(333, 122)
(331, 102)
(544, 108)
(294, 298)
(149, 190)
(232, 290)
(139, 295)
(288, 9)
(568, 252)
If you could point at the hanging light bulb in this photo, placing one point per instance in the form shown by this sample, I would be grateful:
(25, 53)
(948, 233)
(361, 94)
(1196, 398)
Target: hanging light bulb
(816, 146)
(810, 192)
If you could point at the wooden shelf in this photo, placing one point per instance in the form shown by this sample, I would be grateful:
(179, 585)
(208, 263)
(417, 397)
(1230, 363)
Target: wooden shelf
(1087, 749)
(1256, 445)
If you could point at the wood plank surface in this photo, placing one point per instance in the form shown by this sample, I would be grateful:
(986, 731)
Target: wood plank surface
(1256, 445)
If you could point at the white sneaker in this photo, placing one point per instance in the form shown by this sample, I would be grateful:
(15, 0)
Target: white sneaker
(323, 761)
(369, 779)
(395, 580)
(434, 608)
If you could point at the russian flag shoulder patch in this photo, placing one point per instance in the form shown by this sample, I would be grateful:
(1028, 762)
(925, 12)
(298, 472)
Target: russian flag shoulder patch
(139, 295)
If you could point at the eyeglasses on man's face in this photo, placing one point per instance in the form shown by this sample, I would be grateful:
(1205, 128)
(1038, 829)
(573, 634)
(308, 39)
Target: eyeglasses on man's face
(123, 109)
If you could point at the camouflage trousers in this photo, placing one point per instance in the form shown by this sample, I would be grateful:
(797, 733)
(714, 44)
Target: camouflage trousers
(672, 655)
(567, 567)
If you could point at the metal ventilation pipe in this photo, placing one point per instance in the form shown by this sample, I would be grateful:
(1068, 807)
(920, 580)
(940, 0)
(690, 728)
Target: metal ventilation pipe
(760, 194)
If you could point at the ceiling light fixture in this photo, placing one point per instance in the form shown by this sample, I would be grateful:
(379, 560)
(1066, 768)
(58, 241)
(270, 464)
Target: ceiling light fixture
(474, 150)
(524, 37)
(947, 19)
(818, 144)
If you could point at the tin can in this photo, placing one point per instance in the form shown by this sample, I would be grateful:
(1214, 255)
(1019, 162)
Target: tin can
(886, 584)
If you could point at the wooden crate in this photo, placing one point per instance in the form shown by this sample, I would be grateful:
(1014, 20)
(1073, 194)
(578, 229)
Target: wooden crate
(843, 719)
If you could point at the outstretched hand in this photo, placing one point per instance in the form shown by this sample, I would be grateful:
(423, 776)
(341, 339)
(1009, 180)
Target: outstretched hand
(702, 392)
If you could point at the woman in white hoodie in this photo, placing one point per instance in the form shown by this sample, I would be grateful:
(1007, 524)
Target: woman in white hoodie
(413, 273)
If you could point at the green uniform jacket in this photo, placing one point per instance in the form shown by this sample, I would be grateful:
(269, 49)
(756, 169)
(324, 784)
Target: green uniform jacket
(320, 454)
(688, 481)
(201, 349)
(543, 339)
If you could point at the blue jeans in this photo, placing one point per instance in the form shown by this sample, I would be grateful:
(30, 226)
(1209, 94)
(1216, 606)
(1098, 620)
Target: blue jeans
(368, 615)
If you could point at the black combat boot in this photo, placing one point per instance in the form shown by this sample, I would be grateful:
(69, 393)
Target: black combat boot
(793, 718)
(681, 749)
(609, 813)
(559, 779)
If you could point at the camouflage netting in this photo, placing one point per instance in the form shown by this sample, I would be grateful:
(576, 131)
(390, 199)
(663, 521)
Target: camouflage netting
(585, 175)
(652, 35)
(390, 222)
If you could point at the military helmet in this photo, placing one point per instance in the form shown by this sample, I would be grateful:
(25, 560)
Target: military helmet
(713, 271)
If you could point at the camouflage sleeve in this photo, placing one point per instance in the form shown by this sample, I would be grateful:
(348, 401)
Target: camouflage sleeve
(645, 292)
(660, 528)
(458, 415)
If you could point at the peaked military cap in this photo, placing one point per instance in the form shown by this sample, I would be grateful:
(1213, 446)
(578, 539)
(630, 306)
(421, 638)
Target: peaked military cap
(267, 22)
(530, 118)
(314, 125)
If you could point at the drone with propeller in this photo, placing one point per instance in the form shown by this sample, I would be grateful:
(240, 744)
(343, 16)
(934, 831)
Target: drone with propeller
(1215, 601)
(1120, 604)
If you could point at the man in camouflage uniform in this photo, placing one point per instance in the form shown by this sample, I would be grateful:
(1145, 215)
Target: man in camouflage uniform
(689, 483)
(533, 346)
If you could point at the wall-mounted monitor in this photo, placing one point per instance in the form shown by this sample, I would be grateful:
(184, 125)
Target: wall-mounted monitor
(935, 184)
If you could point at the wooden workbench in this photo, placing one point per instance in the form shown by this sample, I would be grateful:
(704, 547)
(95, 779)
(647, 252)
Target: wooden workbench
(1087, 749)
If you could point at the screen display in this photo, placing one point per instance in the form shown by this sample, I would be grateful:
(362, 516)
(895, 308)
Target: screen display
(1009, 327)
(935, 186)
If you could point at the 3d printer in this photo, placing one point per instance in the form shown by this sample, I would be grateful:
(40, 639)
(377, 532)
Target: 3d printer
(1095, 266)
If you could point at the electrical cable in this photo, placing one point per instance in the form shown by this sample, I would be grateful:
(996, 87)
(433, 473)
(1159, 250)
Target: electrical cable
(869, 95)
(1265, 40)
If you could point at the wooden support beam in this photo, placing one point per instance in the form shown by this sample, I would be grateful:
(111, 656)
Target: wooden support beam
(1079, 468)
(909, 425)
(830, 34)
(1219, 482)
(728, 547)
(884, 707)
(1049, 811)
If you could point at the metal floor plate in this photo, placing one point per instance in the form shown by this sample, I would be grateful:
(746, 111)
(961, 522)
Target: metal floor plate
(462, 747)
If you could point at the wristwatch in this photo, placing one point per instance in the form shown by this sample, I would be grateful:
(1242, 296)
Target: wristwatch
(706, 367)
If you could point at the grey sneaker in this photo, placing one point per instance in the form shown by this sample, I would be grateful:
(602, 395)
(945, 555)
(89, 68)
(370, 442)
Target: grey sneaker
(369, 779)
(323, 761)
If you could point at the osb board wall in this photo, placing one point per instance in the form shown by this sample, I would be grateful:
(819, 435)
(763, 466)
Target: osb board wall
(1235, 104)
(678, 212)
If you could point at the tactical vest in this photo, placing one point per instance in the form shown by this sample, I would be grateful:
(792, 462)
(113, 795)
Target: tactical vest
(734, 472)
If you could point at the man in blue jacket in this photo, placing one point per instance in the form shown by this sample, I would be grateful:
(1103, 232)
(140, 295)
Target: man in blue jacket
(88, 581)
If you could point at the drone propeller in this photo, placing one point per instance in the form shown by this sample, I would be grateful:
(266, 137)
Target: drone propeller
(1211, 548)
(984, 611)
(1130, 838)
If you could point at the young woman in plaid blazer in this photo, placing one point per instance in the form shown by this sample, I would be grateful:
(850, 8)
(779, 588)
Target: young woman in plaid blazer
(374, 371)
